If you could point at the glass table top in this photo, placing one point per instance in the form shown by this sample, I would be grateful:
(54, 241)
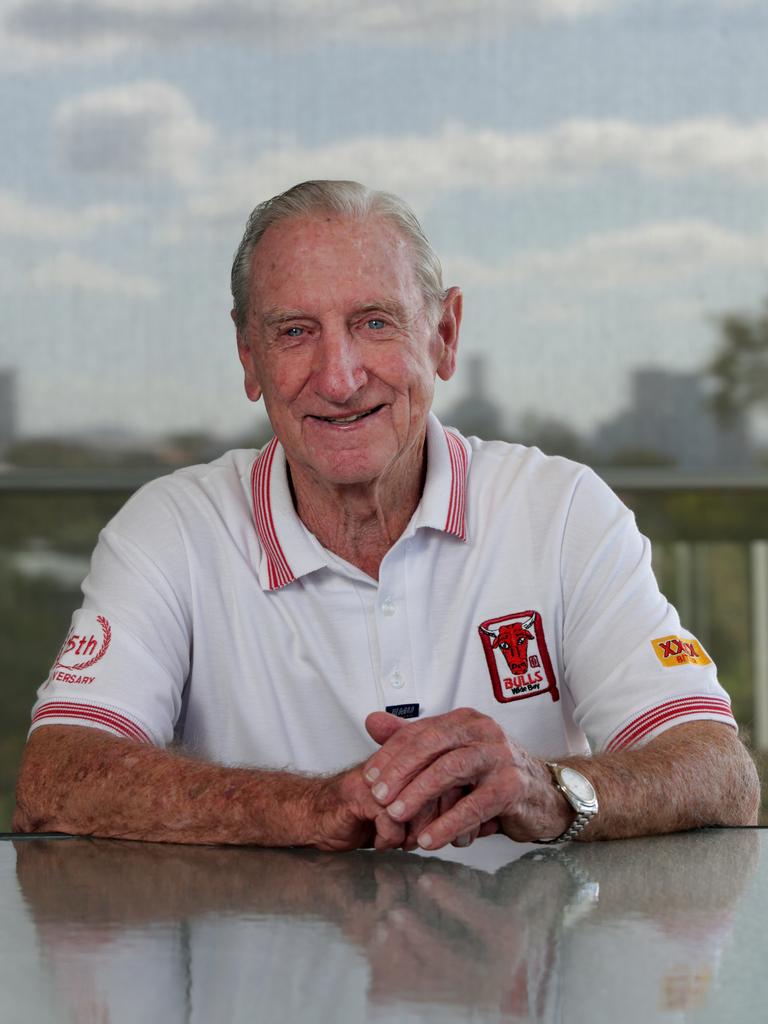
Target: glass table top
(668, 928)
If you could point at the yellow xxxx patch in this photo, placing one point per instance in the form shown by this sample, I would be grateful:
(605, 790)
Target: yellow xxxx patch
(677, 650)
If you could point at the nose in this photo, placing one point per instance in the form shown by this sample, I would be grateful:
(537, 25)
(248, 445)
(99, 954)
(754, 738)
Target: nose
(339, 372)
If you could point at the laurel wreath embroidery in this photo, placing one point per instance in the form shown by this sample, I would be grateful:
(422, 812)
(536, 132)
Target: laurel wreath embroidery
(106, 629)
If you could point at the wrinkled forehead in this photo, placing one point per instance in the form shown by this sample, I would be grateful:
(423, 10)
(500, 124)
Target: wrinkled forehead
(314, 255)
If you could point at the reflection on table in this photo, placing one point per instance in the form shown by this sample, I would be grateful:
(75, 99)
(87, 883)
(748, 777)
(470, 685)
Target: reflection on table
(630, 930)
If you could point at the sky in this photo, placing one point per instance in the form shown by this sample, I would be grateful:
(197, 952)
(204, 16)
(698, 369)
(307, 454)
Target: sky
(593, 173)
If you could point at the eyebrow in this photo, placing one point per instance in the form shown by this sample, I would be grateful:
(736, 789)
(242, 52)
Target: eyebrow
(274, 317)
(394, 309)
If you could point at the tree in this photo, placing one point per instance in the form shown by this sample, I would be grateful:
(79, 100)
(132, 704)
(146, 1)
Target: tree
(740, 366)
(553, 436)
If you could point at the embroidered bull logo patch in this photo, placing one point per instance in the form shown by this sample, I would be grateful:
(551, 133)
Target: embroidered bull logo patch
(517, 657)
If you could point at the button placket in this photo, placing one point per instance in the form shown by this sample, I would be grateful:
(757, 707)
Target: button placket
(392, 629)
(396, 679)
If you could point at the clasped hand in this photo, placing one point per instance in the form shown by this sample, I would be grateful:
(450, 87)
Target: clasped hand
(454, 777)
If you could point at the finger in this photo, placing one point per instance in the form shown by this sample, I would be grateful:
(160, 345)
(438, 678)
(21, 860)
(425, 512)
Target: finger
(381, 725)
(390, 835)
(467, 839)
(450, 798)
(470, 813)
(455, 769)
(419, 823)
(409, 750)
(446, 802)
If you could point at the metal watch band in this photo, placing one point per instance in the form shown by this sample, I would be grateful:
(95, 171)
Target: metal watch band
(584, 814)
(577, 825)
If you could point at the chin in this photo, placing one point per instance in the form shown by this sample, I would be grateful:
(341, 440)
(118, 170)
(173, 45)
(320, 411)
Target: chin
(353, 470)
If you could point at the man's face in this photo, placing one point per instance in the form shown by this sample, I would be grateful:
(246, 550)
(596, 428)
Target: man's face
(341, 346)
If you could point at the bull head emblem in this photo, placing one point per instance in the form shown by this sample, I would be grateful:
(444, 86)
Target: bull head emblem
(512, 640)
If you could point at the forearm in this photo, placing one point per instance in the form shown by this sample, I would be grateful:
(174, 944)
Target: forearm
(89, 782)
(695, 774)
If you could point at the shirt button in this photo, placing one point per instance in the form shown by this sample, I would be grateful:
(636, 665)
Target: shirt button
(397, 680)
(388, 606)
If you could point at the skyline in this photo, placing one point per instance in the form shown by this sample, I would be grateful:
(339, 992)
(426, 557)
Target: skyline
(668, 422)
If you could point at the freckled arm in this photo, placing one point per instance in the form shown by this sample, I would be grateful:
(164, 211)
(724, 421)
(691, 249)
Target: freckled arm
(88, 782)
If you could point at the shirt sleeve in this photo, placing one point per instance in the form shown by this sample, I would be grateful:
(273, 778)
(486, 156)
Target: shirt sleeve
(124, 662)
(632, 669)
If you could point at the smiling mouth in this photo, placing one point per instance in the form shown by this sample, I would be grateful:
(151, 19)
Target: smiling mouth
(342, 421)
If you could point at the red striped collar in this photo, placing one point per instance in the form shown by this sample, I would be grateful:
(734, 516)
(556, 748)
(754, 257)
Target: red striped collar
(279, 572)
(443, 504)
(289, 551)
(456, 516)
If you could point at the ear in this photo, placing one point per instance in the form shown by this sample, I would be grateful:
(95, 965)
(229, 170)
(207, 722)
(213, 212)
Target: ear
(245, 354)
(448, 332)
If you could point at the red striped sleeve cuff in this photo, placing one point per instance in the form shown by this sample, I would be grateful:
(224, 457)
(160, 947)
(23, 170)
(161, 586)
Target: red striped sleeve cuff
(66, 712)
(663, 714)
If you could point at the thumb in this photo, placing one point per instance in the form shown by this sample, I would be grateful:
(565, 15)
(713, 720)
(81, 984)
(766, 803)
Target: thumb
(381, 725)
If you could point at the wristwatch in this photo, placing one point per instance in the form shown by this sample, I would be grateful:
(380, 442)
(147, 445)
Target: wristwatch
(580, 794)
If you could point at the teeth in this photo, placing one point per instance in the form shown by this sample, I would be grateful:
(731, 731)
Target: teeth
(345, 419)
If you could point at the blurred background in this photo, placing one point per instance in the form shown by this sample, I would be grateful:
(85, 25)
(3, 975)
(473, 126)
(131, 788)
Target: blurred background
(593, 173)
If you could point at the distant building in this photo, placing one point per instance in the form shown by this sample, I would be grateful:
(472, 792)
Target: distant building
(475, 413)
(7, 409)
(670, 417)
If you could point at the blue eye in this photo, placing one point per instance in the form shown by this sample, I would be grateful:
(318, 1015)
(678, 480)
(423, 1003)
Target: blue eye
(375, 323)
(294, 332)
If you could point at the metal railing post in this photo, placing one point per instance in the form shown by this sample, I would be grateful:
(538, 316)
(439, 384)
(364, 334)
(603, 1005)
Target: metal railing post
(758, 563)
(682, 554)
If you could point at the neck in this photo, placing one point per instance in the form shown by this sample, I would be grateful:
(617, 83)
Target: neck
(360, 522)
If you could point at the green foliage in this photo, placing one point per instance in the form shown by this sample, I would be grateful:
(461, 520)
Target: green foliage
(554, 437)
(50, 453)
(700, 515)
(34, 615)
(641, 457)
(66, 522)
(740, 366)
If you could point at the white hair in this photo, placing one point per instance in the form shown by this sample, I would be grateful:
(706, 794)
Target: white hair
(347, 199)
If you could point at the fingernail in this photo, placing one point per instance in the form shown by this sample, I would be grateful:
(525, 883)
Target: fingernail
(380, 791)
(425, 840)
(372, 774)
(396, 809)
(463, 840)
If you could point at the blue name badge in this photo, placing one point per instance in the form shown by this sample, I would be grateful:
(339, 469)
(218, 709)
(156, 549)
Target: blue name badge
(404, 710)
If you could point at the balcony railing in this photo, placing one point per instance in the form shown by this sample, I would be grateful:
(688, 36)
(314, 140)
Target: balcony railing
(688, 553)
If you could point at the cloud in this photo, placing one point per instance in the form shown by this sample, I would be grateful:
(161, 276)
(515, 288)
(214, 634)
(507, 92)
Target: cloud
(68, 271)
(424, 167)
(145, 128)
(24, 219)
(51, 29)
(35, 32)
(646, 255)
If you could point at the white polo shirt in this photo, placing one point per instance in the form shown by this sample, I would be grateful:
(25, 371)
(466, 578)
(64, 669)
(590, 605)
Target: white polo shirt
(521, 587)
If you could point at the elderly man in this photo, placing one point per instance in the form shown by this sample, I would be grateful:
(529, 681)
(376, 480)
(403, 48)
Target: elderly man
(282, 615)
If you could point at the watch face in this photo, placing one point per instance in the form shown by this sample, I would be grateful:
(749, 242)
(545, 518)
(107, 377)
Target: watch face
(581, 788)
